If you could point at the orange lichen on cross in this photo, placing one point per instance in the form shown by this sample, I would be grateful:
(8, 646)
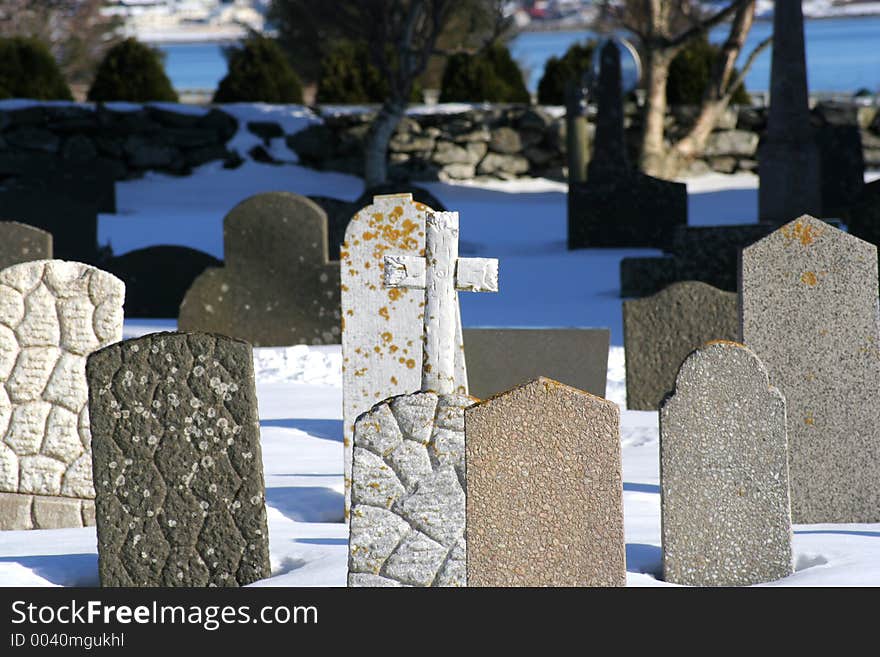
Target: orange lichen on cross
(394, 293)
(809, 278)
(383, 312)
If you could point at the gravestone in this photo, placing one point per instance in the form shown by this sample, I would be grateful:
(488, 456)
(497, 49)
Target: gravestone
(788, 156)
(157, 277)
(72, 223)
(178, 467)
(382, 328)
(618, 205)
(276, 287)
(22, 243)
(53, 314)
(544, 489)
(841, 159)
(661, 330)
(863, 217)
(696, 253)
(408, 499)
(502, 358)
(726, 514)
(809, 307)
(91, 183)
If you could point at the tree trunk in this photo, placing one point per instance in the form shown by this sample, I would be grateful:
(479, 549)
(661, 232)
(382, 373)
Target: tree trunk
(653, 157)
(376, 146)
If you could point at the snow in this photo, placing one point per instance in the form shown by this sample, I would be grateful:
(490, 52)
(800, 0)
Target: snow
(299, 388)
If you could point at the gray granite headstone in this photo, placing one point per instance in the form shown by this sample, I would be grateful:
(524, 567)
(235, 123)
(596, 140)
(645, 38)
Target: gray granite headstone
(661, 330)
(788, 156)
(502, 358)
(408, 493)
(726, 515)
(178, 470)
(53, 314)
(277, 287)
(810, 312)
(22, 243)
(618, 205)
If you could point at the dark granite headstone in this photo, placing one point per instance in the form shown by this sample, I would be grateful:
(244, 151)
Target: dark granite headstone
(697, 253)
(841, 157)
(178, 469)
(23, 243)
(789, 163)
(660, 331)
(157, 278)
(617, 205)
(276, 287)
(863, 218)
(73, 224)
(499, 359)
(90, 183)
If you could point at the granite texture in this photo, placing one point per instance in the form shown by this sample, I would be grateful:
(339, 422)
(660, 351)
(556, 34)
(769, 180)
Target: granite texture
(661, 330)
(178, 467)
(544, 482)
(276, 287)
(725, 509)
(22, 243)
(408, 493)
(53, 314)
(809, 308)
(382, 327)
(501, 358)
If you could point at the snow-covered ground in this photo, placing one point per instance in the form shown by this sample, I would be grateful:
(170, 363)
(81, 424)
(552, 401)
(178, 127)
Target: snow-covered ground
(299, 388)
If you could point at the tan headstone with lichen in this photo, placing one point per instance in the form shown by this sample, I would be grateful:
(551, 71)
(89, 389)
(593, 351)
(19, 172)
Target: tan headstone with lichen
(544, 489)
(382, 327)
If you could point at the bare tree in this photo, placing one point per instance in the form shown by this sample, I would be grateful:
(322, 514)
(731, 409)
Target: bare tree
(402, 35)
(76, 31)
(664, 28)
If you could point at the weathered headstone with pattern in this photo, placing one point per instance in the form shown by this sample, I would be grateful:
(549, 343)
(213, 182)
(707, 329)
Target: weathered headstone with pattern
(382, 327)
(277, 287)
(661, 330)
(22, 243)
(178, 466)
(726, 514)
(544, 489)
(53, 314)
(408, 492)
(809, 306)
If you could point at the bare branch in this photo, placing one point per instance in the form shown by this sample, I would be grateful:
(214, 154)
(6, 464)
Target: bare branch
(750, 60)
(704, 26)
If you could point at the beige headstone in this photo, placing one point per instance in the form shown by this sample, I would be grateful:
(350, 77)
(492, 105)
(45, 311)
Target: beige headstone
(382, 327)
(544, 489)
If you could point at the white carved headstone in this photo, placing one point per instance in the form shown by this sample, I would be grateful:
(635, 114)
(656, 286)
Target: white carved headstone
(53, 314)
(382, 327)
(408, 471)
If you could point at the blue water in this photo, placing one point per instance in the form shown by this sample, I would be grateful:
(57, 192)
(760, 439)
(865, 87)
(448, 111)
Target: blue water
(842, 55)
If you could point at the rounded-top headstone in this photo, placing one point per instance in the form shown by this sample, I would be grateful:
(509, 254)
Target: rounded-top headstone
(725, 511)
(277, 286)
(23, 243)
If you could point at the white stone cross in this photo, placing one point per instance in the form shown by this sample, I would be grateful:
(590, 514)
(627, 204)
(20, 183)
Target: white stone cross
(440, 273)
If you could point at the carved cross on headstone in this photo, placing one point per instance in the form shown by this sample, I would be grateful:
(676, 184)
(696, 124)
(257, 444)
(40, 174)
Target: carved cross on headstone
(440, 273)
